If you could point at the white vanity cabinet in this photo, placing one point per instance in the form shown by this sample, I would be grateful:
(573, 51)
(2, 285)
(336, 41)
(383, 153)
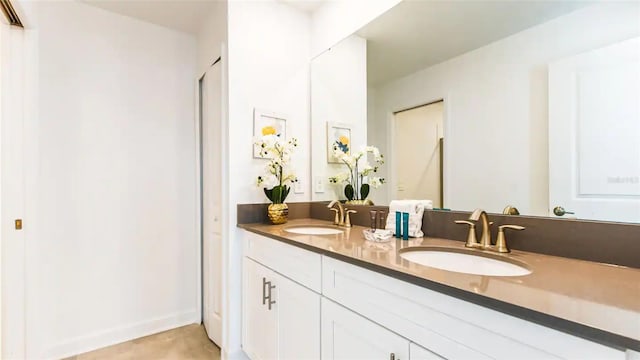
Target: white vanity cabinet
(259, 322)
(281, 317)
(419, 353)
(349, 336)
(447, 326)
(324, 308)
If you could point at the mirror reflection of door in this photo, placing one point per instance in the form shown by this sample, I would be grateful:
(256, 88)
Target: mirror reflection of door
(594, 127)
(417, 153)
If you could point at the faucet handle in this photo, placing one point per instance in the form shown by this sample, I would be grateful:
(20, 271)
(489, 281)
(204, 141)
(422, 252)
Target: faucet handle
(472, 241)
(465, 222)
(501, 241)
(336, 219)
(347, 218)
(514, 227)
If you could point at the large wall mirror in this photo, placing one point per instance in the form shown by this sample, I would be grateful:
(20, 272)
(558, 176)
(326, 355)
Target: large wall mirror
(486, 104)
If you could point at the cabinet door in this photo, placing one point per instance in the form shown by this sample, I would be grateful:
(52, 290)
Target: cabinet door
(347, 335)
(298, 320)
(416, 352)
(259, 338)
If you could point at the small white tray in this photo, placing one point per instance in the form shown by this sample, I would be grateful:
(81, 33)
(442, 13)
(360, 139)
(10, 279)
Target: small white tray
(378, 235)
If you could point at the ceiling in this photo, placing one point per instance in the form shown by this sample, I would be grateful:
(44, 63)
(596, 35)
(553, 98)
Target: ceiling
(417, 34)
(182, 15)
(308, 6)
(411, 36)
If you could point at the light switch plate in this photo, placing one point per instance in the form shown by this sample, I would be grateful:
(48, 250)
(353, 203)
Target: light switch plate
(318, 184)
(298, 188)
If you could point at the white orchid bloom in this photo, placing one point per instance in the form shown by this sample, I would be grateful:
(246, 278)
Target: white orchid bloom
(277, 170)
(340, 178)
(360, 168)
(376, 182)
(367, 169)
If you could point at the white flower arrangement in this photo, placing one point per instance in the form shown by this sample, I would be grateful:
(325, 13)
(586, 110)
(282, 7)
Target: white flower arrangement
(359, 178)
(278, 173)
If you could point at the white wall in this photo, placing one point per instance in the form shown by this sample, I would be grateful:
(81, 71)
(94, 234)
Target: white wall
(496, 107)
(339, 87)
(337, 19)
(115, 251)
(269, 46)
(212, 36)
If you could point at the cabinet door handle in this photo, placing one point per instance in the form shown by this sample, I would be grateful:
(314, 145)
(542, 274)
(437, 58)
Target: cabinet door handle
(264, 291)
(271, 287)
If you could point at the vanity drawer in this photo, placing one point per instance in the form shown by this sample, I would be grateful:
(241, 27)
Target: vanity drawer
(299, 265)
(452, 328)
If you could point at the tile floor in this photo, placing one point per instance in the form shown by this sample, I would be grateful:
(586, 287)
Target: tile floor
(187, 342)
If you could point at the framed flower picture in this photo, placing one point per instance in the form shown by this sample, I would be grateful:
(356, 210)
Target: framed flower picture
(267, 123)
(338, 135)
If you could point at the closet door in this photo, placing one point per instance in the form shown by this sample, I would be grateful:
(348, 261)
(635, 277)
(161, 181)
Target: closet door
(211, 193)
(15, 163)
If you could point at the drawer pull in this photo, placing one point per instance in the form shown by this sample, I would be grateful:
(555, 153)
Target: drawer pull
(266, 295)
(264, 291)
(271, 287)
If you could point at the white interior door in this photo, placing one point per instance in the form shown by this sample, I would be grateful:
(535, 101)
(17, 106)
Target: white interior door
(416, 153)
(211, 192)
(594, 133)
(12, 192)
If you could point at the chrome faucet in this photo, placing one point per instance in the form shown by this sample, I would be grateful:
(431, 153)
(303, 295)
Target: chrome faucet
(485, 238)
(342, 217)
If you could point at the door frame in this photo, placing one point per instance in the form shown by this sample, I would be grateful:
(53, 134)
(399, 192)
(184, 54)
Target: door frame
(446, 131)
(199, 231)
(2, 226)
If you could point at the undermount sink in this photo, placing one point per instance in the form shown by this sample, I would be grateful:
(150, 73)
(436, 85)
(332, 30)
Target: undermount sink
(465, 261)
(313, 230)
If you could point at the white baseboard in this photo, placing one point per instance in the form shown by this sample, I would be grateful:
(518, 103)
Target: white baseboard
(120, 334)
(238, 354)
